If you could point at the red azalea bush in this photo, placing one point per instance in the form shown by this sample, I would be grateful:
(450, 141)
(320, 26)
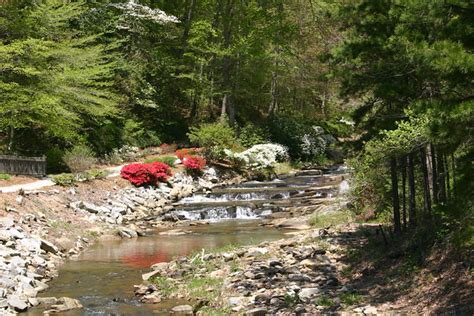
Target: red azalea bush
(146, 173)
(186, 152)
(194, 164)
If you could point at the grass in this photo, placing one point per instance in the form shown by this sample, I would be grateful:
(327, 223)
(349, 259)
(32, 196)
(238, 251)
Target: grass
(324, 301)
(60, 225)
(165, 285)
(168, 160)
(350, 299)
(4, 176)
(205, 288)
(330, 219)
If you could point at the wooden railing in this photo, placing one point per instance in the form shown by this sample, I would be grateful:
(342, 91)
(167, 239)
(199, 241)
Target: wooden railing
(33, 166)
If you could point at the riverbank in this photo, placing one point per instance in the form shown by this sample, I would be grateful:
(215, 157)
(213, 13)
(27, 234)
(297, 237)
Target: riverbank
(317, 272)
(39, 229)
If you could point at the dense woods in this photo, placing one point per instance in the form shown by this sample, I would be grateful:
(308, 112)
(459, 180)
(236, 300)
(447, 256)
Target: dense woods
(106, 74)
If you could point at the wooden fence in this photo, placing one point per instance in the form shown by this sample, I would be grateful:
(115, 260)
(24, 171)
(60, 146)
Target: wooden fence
(33, 166)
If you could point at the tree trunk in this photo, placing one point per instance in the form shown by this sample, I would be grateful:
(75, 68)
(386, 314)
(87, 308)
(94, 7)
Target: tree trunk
(404, 196)
(188, 23)
(448, 184)
(442, 177)
(395, 197)
(411, 188)
(435, 177)
(227, 105)
(426, 183)
(11, 138)
(453, 173)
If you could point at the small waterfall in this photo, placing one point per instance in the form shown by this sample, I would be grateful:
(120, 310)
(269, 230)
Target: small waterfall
(255, 199)
(245, 212)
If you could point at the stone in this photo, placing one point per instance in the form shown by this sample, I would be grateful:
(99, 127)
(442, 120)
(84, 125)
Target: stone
(174, 232)
(15, 233)
(17, 303)
(308, 293)
(6, 222)
(370, 310)
(260, 311)
(48, 247)
(66, 304)
(3, 303)
(257, 251)
(127, 233)
(235, 300)
(182, 310)
(149, 275)
(152, 298)
(160, 266)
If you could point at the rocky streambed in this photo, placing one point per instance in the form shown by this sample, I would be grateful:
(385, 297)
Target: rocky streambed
(30, 256)
(298, 275)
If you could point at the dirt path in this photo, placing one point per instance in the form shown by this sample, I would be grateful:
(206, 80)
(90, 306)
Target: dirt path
(39, 184)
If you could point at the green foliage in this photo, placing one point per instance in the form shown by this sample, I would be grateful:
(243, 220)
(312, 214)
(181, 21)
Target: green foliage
(214, 138)
(93, 174)
(64, 179)
(55, 80)
(325, 301)
(54, 159)
(350, 299)
(251, 135)
(79, 158)
(168, 160)
(134, 134)
(4, 176)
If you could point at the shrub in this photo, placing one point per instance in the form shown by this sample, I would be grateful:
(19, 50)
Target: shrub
(146, 174)
(79, 158)
(263, 156)
(64, 179)
(252, 135)
(4, 176)
(54, 159)
(94, 174)
(194, 165)
(185, 152)
(167, 160)
(214, 137)
(123, 154)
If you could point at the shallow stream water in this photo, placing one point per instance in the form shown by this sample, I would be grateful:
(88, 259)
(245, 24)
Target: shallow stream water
(102, 277)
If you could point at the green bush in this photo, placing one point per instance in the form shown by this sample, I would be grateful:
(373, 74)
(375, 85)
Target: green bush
(79, 158)
(64, 179)
(4, 176)
(55, 162)
(168, 160)
(251, 135)
(94, 174)
(214, 138)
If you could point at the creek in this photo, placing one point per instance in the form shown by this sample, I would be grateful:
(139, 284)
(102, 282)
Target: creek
(102, 277)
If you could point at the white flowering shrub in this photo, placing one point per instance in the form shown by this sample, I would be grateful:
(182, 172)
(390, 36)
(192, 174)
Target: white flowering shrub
(262, 156)
(134, 12)
(124, 154)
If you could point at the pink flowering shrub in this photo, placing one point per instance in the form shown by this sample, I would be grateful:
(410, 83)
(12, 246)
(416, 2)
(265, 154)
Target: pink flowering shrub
(146, 173)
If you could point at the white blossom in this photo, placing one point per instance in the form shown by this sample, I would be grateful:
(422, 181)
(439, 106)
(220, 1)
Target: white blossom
(135, 11)
(260, 156)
